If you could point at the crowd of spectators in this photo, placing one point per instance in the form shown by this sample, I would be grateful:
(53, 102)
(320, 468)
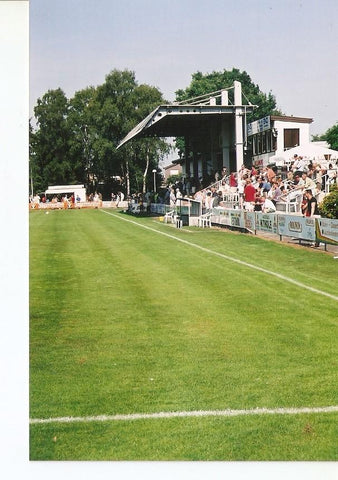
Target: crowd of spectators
(251, 189)
(261, 189)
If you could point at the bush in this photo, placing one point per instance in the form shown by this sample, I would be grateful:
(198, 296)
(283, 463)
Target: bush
(329, 206)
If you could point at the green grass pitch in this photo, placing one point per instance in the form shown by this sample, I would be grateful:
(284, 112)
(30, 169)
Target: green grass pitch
(126, 320)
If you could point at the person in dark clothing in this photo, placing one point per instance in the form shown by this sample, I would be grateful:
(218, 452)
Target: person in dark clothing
(217, 199)
(312, 204)
(311, 208)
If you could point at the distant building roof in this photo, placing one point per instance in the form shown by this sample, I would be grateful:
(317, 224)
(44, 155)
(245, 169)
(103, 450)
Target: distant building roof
(291, 118)
(174, 164)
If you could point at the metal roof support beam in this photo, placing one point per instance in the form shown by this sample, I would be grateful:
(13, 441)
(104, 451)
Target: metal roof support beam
(226, 143)
(225, 97)
(238, 125)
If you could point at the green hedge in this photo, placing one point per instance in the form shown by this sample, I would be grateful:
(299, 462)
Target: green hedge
(329, 206)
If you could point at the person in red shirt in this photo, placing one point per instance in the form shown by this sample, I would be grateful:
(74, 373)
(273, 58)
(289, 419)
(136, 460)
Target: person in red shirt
(233, 182)
(249, 195)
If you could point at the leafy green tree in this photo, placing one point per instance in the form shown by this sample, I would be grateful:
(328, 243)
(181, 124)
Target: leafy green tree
(82, 134)
(36, 183)
(147, 154)
(318, 138)
(50, 158)
(331, 136)
(122, 104)
(148, 151)
(202, 84)
(75, 140)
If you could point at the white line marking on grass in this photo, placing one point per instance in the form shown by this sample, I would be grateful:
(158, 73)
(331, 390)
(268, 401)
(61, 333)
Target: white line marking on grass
(198, 413)
(226, 257)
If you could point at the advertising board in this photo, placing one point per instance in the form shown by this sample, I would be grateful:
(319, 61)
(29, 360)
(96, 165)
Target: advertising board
(297, 227)
(327, 230)
(266, 222)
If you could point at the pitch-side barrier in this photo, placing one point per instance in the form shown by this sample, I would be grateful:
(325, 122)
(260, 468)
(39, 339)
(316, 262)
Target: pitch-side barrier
(309, 229)
(69, 205)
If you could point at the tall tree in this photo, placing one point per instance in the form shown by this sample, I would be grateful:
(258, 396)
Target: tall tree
(122, 104)
(206, 83)
(75, 140)
(50, 158)
(82, 134)
(202, 84)
(147, 152)
(113, 115)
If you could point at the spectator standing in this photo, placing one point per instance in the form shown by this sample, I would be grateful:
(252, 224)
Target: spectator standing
(36, 201)
(312, 204)
(172, 197)
(311, 207)
(249, 196)
(241, 186)
(208, 200)
(298, 166)
(167, 196)
(233, 182)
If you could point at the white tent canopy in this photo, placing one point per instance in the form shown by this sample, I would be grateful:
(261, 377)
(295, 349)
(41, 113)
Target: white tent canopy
(310, 151)
(77, 190)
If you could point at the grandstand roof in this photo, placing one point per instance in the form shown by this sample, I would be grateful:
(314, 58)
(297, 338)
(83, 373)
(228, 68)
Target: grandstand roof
(179, 120)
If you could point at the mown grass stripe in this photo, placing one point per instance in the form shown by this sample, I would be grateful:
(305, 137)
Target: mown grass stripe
(226, 257)
(197, 413)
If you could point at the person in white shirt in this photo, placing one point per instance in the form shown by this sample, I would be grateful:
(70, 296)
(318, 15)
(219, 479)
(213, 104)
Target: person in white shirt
(172, 197)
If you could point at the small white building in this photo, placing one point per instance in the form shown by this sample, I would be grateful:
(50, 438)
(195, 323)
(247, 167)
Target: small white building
(273, 135)
(79, 191)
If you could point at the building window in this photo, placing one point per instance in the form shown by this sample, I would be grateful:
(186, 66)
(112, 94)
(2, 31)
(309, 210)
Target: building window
(291, 138)
(268, 141)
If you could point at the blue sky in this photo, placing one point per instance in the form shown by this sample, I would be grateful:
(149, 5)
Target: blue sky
(289, 47)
